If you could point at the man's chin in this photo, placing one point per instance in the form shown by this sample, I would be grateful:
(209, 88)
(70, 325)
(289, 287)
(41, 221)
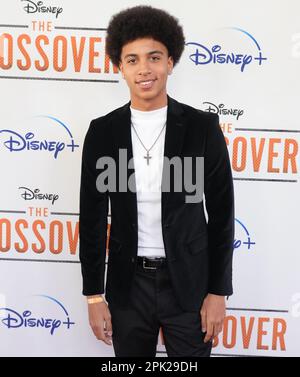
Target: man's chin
(148, 96)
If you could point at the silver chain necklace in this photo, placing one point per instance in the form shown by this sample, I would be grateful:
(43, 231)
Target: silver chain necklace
(148, 157)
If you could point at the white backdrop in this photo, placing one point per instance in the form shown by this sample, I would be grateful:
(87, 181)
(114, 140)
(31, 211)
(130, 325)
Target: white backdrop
(54, 79)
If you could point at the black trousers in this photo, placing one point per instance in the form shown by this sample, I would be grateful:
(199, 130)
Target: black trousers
(153, 305)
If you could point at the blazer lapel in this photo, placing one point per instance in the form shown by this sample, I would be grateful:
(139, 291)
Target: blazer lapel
(175, 131)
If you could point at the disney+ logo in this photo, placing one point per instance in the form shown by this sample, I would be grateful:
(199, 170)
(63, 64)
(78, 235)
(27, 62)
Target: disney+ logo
(38, 7)
(13, 319)
(16, 142)
(217, 55)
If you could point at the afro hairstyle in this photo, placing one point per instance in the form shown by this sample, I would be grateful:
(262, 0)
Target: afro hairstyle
(144, 21)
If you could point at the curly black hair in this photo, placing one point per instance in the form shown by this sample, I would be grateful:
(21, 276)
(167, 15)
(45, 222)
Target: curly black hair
(144, 21)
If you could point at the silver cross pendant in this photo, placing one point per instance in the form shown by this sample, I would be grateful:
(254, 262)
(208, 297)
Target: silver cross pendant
(148, 157)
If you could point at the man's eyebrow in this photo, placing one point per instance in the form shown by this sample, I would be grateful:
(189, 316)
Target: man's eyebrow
(149, 53)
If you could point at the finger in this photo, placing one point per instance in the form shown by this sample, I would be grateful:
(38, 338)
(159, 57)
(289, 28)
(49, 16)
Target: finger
(203, 321)
(215, 340)
(98, 331)
(108, 331)
(220, 326)
(103, 336)
(108, 326)
(217, 329)
(108, 335)
(209, 333)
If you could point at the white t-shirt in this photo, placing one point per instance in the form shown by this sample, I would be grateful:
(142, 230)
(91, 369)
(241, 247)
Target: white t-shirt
(148, 125)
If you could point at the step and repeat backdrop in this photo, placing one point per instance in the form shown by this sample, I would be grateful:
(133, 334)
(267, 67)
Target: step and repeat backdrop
(241, 60)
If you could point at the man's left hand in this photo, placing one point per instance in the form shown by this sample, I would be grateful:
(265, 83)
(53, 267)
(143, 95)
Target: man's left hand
(212, 315)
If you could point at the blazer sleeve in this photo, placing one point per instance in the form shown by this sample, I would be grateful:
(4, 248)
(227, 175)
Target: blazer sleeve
(219, 201)
(92, 218)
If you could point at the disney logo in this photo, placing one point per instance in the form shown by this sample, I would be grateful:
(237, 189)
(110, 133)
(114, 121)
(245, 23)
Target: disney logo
(35, 194)
(12, 319)
(222, 110)
(206, 55)
(15, 142)
(245, 238)
(32, 7)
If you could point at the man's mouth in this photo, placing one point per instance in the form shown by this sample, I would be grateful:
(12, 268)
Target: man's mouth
(146, 84)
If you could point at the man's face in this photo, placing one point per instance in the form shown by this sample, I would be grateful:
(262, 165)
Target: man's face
(145, 65)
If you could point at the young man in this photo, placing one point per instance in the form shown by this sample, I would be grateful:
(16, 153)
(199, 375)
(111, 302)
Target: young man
(168, 266)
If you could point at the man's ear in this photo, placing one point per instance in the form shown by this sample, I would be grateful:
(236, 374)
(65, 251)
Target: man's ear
(170, 64)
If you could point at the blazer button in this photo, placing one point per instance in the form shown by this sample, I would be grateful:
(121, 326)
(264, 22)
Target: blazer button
(166, 225)
(134, 225)
(132, 259)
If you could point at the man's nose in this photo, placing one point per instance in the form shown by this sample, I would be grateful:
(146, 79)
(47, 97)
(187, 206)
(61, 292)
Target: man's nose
(144, 68)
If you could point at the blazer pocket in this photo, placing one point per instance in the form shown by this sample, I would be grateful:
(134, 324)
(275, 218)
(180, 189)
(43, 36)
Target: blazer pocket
(197, 244)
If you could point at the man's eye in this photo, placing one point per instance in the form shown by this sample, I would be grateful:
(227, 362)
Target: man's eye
(155, 57)
(131, 61)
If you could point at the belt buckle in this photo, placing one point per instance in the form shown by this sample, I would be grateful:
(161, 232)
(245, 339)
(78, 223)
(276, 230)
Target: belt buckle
(149, 268)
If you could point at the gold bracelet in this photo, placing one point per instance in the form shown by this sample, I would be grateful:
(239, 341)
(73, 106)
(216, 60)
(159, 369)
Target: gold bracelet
(95, 300)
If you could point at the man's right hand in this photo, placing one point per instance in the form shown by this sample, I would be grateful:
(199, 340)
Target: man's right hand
(100, 321)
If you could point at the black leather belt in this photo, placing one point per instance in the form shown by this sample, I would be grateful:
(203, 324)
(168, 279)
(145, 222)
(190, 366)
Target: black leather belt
(151, 263)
